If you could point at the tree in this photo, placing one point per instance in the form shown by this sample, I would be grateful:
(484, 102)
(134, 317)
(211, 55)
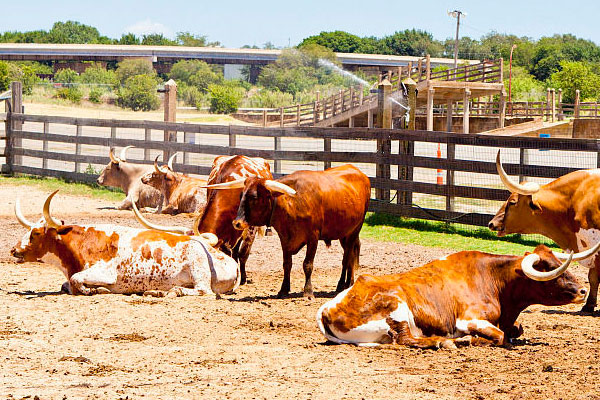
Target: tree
(157, 39)
(189, 39)
(66, 76)
(225, 99)
(134, 66)
(139, 93)
(129, 38)
(337, 41)
(98, 74)
(4, 76)
(576, 75)
(74, 32)
(412, 42)
(195, 73)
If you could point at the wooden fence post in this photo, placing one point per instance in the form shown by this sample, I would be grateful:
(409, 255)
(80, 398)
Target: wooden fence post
(430, 94)
(577, 104)
(264, 117)
(147, 138)
(12, 143)
(466, 112)
(547, 111)
(384, 120)
(561, 116)
(553, 105)
(45, 144)
(407, 147)
(78, 132)
(188, 137)
(232, 141)
(170, 106)
(502, 111)
(298, 115)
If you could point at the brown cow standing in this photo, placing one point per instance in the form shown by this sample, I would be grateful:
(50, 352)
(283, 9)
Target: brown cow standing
(443, 303)
(181, 193)
(567, 210)
(305, 207)
(222, 205)
(125, 175)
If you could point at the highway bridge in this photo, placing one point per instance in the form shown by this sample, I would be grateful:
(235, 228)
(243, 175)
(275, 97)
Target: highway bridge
(72, 55)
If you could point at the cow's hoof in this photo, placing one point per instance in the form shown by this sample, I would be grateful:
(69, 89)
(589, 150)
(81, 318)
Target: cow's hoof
(588, 308)
(448, 344)
(154, 293)
(100, 290)
(65, 288)
(282, 295)
(309, 295)
(463, 341)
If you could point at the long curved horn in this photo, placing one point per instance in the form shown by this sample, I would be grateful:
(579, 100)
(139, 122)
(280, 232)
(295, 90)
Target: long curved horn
(531, 259)
(170, 162)
(123, 155)
(582, 255)
(111, 154)
(210, 238)
(156, 167)
(51, 222)
(22, 220)
(237, 184)
(279, 187)
(527, 188)
(149, 225)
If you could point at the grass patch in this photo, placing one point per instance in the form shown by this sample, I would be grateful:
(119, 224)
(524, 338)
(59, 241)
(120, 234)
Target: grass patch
(390, 228)
(72, 188)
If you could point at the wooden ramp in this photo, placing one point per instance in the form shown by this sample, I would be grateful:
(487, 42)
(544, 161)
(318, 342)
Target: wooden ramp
(535, 128)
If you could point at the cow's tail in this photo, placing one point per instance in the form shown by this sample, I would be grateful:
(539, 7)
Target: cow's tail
(323, 324)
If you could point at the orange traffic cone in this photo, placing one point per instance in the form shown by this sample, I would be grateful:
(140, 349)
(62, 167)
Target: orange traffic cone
(440, 176)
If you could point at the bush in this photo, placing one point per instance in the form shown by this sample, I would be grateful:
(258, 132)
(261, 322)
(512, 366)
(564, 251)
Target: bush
(95, 95)
(139, 93)
(192, 96)
(4, 76)
(269, 99)
(97, 74)
(225, 99)
(66, 76)
(132, 67)
(72, 94)
(195, 73)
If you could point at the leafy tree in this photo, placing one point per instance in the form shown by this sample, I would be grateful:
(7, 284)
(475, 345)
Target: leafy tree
(134, 66)
(157, 39)
(66, 76)
(269, 46)
(225, 99)
(4, 76)
(412, 42)
(576, 75)
(189, 39)
(195, 73)
(24, 73)
(74, 32)
(98, 74)
(129, 38)
(139, 93)
(337, 41)
(524, 86)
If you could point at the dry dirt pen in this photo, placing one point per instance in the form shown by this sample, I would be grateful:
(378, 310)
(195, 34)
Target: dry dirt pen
(250, 344)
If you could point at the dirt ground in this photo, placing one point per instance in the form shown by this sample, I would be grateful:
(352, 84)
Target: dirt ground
(251, 345)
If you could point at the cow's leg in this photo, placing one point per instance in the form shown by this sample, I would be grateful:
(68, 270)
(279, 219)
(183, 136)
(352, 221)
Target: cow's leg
(311, 250)
(287, 268)
(590, 303)
(351, 246)
(93, 276)
(126, 204)
(241, 252)
(400, 333)
(482, 328)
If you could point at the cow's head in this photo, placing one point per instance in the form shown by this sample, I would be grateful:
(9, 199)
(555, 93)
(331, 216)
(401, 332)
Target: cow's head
(258, 198)
(519, 214)
(163, 176)
(114, 174)
(41, 236)
(553, 285)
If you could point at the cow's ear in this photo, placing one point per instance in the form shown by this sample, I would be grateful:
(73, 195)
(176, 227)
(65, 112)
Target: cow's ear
(535, 206)
(275, 193)
(63, 230)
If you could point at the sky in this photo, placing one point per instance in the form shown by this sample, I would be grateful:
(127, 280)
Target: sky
(235, 23)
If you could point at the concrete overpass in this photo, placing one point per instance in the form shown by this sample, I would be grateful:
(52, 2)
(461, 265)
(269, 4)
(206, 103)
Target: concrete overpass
(164, 56)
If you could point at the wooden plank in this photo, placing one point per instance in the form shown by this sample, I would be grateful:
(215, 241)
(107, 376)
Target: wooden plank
(45, 144)
(78, 133)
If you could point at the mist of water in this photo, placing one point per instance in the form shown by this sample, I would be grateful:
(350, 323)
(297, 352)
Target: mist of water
(331, 66)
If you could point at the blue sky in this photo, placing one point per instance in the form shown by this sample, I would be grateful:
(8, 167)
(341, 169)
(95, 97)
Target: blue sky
(235, 23)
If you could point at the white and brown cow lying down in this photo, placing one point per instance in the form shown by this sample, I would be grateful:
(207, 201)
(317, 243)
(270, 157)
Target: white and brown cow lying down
(118, 259)
(468, 297)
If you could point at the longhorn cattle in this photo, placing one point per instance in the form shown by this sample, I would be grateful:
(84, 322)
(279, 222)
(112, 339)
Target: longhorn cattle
(567, 210)
(181, 193)
(114, 259)
(468, 297)
(125, 175)
(305, 207)
(222, 205)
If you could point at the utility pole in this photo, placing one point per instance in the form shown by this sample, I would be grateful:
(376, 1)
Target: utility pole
(456, 14)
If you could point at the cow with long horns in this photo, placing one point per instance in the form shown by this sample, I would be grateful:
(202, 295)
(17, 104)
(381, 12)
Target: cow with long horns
(116, 259)
(181, 193)
(468, 297)
(305, 207)
(566, 210)
(127, 176)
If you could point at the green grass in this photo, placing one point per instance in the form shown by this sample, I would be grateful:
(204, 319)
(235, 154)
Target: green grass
(72, 188)
(389, 228)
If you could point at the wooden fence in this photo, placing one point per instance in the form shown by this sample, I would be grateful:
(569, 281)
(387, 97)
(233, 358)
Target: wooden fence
(63, 147)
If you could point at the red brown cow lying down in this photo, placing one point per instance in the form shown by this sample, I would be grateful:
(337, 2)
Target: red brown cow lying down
(566, 210)
(181, 193)
(467, 297)
(222, 205)
(305, 207)
(118, 259)
(125, 175)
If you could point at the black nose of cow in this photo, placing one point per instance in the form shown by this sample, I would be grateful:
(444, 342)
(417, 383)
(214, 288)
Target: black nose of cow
(491, 225)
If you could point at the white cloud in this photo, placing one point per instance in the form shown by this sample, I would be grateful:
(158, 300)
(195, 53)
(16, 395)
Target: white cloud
(146, 27)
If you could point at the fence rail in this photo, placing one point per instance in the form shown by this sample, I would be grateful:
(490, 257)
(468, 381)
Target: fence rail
(62, 146)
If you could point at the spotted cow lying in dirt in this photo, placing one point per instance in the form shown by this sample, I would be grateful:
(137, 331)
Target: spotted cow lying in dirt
(117, 259)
